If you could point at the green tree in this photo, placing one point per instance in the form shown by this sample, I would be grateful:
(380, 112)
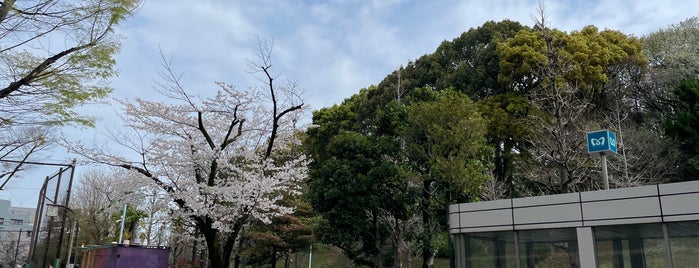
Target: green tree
(446, 152)
(131, 222)
(284, 236)
(353, 187)
(683, 125)
(563, 77)
(470, 64)
(376, 156)
(54, 56)
(509, 134)
(44, 85)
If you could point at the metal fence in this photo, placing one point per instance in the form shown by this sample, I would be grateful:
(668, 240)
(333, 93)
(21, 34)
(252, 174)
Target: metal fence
(49, 243)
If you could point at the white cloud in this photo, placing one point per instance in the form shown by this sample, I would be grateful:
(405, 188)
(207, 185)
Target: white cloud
(335, 48)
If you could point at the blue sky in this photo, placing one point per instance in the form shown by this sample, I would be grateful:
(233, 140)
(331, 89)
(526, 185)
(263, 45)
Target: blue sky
(334, 48)
(331, 48)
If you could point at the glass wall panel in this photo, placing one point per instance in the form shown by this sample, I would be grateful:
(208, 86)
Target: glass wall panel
(494, 249)
(684, 243)
(617, 246)
(630, 246)
(549, 248)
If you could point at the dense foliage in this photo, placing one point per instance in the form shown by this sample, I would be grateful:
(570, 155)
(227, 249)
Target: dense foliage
(499, 112)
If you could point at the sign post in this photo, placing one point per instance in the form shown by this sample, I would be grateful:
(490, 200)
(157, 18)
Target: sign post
(599, 143)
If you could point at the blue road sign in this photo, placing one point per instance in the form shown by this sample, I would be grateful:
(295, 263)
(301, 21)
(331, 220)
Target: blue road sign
(601, 141)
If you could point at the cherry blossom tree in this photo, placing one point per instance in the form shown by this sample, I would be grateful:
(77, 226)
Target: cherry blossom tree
(223, 161)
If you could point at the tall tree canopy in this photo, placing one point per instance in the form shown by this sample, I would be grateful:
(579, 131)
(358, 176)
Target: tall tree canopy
(665, 92)
(563, 77)
(672, 56)
(537, 91)
(355, 184)
(369, 174)
(446, 151)
(683, 125)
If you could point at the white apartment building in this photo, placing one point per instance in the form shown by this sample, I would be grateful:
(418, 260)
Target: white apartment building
(14, 218)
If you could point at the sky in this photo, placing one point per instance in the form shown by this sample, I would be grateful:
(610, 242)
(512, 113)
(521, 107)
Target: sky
(331, 48)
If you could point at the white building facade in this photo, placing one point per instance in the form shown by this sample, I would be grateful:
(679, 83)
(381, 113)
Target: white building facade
(14, 219)
(648, 226)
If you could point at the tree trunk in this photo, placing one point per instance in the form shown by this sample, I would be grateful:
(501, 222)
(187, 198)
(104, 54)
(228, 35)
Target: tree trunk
(377, 240)
(217, 256)
(219, 248)
(194, 250)
(450, 245)
(426, 224)
(273, 263)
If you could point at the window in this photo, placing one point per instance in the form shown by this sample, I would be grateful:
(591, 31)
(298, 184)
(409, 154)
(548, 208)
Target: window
(684, 241)
(484, 250)
(536, 248)
(16, 222)
(549, 248)
(630, 246)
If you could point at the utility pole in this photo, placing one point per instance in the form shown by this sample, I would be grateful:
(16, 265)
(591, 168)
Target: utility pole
(19, 236)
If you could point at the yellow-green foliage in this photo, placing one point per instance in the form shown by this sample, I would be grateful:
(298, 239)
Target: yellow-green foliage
(580, 58)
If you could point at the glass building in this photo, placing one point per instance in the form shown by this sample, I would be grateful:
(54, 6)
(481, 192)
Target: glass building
(648, 226)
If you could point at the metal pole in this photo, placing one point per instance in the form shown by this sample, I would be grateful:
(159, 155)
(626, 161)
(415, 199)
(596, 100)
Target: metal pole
(47, 241)
(14, 264)
(72, 237)
(518, 260)
(310, 256)
(123, 217)
(668, 248)
(604, 171)
(38, 218)
(70, 183)
(63, 216)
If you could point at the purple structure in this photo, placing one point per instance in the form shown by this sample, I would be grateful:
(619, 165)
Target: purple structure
(120, 256)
